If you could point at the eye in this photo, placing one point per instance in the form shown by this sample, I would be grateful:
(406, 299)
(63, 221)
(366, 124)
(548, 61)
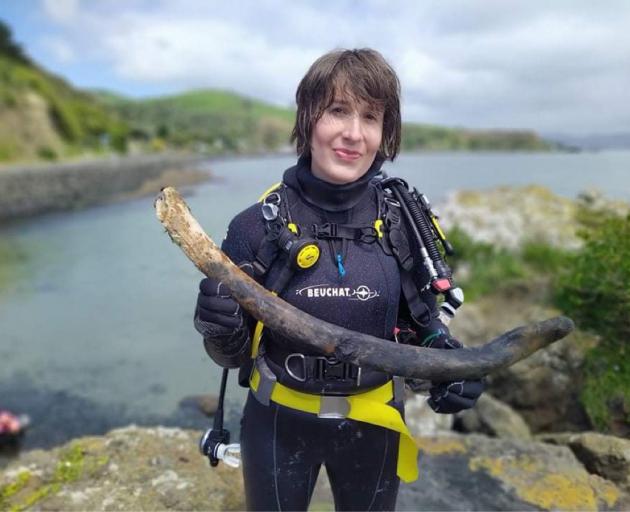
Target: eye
(372, 117)
(337, 110)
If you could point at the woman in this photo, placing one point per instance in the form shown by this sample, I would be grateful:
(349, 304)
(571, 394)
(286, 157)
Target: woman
(316, 241)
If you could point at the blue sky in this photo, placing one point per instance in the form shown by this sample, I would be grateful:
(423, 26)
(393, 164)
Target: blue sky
(560, 66)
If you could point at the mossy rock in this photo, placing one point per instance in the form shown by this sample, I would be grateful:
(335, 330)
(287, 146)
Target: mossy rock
(128, 469)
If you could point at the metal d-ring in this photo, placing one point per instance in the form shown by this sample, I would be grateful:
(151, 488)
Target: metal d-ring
(286, 366)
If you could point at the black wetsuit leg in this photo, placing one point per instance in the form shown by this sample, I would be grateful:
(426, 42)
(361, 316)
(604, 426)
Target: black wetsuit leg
(283, 449)
(362, 465)
(280, 454)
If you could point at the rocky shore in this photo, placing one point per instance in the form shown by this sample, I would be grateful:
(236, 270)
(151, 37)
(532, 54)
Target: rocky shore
(161, 469)
(41, 188)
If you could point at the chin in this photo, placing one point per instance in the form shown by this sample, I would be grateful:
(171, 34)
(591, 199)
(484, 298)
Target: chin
(343, 175)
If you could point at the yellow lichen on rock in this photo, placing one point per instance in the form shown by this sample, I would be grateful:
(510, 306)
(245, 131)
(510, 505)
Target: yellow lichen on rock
(532, 483)
(15, 486)
(605, 491)
(440, 445)
(558, 492)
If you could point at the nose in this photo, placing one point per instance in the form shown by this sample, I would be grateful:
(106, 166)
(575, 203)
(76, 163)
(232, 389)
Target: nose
(352, 128)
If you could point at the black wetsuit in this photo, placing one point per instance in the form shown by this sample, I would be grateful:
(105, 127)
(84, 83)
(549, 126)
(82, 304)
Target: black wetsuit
(283, 448)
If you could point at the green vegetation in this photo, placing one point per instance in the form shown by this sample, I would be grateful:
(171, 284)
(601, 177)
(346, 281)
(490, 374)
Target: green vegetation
(9, 47)
(42, 116)
(481, 268)
(418, 137)
(71, 466)
(12, 488)
(594, 289)
(207, 120)
(591, 285)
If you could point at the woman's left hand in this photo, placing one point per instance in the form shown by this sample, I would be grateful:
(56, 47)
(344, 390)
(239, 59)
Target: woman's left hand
(452, 397)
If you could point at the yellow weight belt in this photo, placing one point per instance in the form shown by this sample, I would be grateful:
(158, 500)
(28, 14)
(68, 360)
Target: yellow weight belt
(369, 407)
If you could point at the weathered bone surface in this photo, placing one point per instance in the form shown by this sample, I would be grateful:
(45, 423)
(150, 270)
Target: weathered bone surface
(348, 346)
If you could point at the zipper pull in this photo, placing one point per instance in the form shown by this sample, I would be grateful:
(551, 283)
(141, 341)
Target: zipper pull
(342, 271)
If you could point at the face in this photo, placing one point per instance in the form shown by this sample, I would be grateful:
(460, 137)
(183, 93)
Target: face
(345, 141)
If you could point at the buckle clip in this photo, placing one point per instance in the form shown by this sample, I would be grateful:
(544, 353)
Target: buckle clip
(328, 230)
(334, 407)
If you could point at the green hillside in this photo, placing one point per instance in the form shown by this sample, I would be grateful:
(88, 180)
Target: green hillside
(42, 116)
(438, 138)
(211, 120)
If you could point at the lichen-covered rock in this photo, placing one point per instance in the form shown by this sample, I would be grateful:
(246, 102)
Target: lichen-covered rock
(508, 216)
(607, 456)
(127, 469)
(160, 469)
(494, 418)
(421, 420)
(479, 473)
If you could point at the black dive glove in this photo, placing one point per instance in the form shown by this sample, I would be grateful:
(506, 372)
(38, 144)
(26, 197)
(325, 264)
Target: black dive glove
(220, 320)
(451, 396)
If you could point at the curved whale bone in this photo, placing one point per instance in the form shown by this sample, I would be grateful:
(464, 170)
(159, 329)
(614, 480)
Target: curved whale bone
(346, 345)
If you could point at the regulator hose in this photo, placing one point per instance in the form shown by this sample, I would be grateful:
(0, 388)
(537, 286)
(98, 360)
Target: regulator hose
(410, 206)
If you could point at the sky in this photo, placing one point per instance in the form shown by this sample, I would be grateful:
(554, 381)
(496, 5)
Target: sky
(560, 66)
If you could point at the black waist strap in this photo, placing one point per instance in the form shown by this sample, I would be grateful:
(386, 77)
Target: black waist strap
(302, 368)
(319, 374)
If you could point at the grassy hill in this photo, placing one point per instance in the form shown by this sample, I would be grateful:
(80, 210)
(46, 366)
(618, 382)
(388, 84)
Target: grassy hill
(439, 138)
(211, 120)
(43, 117)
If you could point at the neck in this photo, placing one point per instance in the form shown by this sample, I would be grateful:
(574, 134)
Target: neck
(325, 195)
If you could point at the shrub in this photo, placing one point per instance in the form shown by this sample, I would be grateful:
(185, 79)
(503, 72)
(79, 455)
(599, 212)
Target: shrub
(47, 153)
(594, 289)
(483, 267)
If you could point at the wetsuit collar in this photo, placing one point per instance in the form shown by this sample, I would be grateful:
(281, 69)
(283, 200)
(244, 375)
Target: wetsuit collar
(328, 196)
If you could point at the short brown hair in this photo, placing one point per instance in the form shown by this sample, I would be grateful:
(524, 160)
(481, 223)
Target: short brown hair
(363, 75)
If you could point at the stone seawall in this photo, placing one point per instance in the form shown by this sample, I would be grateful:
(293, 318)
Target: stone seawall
(31, 190)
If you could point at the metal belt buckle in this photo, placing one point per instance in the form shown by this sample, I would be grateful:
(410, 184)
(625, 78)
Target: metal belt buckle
(334, 407)
(288, 369)
(267, 381)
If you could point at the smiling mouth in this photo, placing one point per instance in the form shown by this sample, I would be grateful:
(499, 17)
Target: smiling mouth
(346, 154)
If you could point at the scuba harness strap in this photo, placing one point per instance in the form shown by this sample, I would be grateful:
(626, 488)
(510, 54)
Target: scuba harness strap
(283, 235)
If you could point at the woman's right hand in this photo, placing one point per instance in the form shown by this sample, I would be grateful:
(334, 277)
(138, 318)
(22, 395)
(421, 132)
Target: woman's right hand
(216, 306)
(221, 322)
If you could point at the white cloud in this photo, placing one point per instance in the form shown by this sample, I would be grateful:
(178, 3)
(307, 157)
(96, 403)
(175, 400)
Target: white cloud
(559, 66)
(61, 11)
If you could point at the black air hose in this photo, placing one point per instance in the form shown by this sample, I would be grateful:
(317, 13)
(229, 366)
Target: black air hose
(408, 203)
